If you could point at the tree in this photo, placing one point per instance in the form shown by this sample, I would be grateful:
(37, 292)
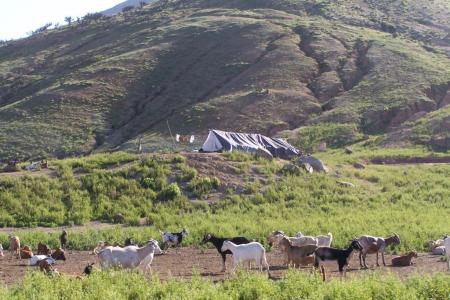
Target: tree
(88, 18)
(127, 8)
(42, 29)
(69, 20)
(142, 4)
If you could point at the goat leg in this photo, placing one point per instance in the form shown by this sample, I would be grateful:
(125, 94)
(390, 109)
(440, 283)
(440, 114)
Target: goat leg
(382, 256)
(235, 265)
(360, 259)
(224, 258)
(377, 260)
(323, 273)
(364, 261)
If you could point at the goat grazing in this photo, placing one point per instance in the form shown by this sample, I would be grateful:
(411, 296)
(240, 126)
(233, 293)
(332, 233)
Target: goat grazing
(276, 236)
(129, 257)
(246, 253)
(26, 252)
(129, 242)
(14, 245)
(438, 250)
(35, 259)
(63, 239)
(43, 249)
(405, 260)
(322, 240)
(342, 256)
(173, 238)
(218, 242)
(88, 269)
(59, 254)
(447, 250)
(298, 256)
(47, 267)
(371, 245)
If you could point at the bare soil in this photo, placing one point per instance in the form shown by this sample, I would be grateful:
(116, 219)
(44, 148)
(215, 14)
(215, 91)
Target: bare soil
(411, 160)
(207, 262)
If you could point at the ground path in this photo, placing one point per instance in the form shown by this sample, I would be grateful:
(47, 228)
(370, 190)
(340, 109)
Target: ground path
(207, 263)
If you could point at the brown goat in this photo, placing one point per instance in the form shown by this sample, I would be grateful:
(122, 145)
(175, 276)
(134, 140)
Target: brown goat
(405, 260)
(297, 256)
(14, 245)
(26, 253)
(43, 249)
(59, 254)
(46, 267)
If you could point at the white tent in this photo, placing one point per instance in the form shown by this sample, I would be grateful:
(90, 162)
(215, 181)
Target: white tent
(230, 141)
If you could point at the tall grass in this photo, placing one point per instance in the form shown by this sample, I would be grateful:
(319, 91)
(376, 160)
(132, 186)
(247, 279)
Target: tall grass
(296, 285)
(409, 200)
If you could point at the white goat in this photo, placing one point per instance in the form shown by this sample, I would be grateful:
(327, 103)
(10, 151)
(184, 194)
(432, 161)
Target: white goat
(438, 250)
(447, 250)
(322, 240)
(1, 250)
(253, 251)
(371, 245)
(35, 259)
(129, 257)
(276, 237)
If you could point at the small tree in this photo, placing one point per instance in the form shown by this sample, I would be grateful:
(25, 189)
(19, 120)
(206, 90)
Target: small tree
(42, 29)
(127, 8)
(88, 18)
(68, 20)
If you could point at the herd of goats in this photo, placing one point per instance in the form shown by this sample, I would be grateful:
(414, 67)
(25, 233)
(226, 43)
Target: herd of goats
(299, 250)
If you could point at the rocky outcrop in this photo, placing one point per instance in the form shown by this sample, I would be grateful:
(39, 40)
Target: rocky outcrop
(439, 94)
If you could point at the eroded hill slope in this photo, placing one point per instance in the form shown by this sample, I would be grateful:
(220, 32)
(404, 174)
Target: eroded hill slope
(266, 66)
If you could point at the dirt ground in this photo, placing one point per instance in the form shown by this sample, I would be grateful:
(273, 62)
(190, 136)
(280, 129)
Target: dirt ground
(207, 263)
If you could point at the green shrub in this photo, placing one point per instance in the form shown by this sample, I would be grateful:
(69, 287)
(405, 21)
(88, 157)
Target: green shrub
(170, 192)
(200, 187)
(244, 286)
(186, 173)
(335, 135)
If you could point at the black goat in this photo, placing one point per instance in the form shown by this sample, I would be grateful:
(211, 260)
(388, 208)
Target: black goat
(88, 269)
(218, 242)
(129, 242)
(63, 239)
(342, 256)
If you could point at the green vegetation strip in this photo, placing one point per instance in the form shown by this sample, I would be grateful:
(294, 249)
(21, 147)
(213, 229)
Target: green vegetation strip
(411, 201)
(296, 285)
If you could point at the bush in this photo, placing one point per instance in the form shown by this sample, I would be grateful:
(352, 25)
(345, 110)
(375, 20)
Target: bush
(335, 135)
(170, 192)
(203, 186)
(186, 173)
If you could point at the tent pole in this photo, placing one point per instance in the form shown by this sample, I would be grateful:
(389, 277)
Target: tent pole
(170, 131)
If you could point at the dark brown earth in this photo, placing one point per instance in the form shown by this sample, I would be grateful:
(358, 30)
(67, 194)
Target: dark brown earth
(207, 263)
(411, 160)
